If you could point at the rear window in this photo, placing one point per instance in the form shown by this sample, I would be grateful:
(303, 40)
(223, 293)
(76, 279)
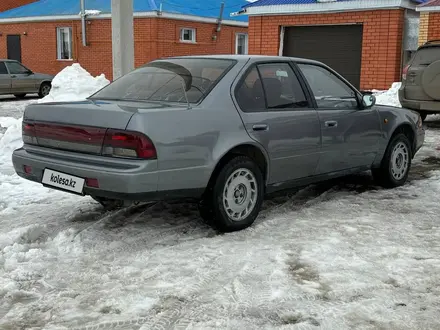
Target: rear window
(426, 56)
(174, 80)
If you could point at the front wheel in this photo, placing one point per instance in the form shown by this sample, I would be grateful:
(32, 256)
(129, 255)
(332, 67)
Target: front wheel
(236, 197)
(396, 163)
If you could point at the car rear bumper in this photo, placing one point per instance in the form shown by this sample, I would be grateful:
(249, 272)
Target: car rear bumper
(116, 178)
(430, 106)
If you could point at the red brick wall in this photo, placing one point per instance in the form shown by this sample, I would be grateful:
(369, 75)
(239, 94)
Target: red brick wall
(381, 46)
(434, 26)
(154, 38)
(9, 4)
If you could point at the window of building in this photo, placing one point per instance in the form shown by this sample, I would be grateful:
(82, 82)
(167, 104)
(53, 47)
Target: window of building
(188, 35)
(241, 43)
(64, 43)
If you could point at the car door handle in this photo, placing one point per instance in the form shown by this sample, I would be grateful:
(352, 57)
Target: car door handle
(331, 123)
(260, 127)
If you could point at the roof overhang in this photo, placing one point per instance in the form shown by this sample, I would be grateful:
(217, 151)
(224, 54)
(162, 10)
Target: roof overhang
(326, 7)
(425, 9)
(146, 14)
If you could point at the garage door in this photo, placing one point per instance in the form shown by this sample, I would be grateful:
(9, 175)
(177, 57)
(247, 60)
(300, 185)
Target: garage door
(338, 46)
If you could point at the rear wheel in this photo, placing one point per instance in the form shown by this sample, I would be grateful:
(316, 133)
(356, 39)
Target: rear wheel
(396, 163)
(20, 96)
(44, 90)
(236, 197)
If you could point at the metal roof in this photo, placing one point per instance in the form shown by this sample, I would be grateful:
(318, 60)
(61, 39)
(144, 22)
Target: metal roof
(201, 8)
(261, 3)
(433, 3)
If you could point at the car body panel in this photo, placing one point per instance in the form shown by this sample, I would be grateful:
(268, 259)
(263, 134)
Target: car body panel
(5, 83)
(22, 83)
(196, 138)
(87, 113)
(353, 142)
(191, 141)
(292, 140)
(412, 93)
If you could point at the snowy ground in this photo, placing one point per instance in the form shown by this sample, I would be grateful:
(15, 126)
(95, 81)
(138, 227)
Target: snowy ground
(340, 255)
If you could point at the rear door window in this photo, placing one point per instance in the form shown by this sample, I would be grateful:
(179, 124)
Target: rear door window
(250, 94)
(282, 87)
(3, 69)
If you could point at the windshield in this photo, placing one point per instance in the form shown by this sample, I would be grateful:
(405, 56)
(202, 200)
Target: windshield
(174, 80)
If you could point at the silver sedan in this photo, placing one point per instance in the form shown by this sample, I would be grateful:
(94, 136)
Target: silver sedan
(224, 130)
(18, 80)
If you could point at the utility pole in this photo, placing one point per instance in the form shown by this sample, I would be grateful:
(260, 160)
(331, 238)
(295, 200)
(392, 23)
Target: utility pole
(122, 37)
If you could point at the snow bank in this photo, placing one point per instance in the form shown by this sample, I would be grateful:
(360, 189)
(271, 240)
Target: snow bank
(73, 84)
(389, 97)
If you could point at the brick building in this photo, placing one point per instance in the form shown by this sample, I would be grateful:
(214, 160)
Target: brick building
(429, 21)
(368, 41)
(46, 35)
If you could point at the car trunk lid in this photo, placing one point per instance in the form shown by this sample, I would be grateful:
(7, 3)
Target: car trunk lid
(79, 126)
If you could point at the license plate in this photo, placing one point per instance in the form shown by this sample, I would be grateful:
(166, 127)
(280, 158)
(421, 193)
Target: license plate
(63, 181)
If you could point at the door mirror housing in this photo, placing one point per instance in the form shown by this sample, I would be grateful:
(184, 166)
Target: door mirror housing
(368, 100)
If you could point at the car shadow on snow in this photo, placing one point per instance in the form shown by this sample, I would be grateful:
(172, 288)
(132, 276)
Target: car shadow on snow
(155, 221)
(12, 98)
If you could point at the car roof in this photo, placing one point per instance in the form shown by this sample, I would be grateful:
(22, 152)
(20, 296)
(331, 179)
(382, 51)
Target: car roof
(244, 58)
(430, 43)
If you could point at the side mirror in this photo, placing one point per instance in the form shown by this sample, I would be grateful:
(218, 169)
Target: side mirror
(368, 100)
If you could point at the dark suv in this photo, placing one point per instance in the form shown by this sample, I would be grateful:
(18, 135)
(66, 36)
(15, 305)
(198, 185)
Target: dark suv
(420, 89)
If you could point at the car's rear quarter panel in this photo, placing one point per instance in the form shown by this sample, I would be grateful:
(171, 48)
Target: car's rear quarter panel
(190, 142)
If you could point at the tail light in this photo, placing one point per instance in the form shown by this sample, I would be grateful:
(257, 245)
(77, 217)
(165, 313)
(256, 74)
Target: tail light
(29, 135)
(405, 72)
(92, 140)
(128, 144)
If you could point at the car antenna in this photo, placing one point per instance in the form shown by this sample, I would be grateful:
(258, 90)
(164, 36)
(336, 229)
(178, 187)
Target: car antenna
(186, 95)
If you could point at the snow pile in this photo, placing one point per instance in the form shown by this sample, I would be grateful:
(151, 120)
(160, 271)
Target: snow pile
(74, 84)
(389, 97)
(11, 139)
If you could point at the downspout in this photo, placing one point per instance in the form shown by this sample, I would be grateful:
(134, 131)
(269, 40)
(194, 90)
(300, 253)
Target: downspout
(83, 23)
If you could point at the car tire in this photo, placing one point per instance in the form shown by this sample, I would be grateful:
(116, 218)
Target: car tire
(396, 163)
(20, 96)
(44, 90)
(235, 199)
